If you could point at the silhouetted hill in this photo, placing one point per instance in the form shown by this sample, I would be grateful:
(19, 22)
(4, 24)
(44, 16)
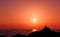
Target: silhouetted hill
(46, 32)
(19, 35)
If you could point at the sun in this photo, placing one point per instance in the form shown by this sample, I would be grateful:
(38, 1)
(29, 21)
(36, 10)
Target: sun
(34, 19)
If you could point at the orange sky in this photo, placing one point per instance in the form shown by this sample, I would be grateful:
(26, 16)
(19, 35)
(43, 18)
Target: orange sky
(19, 14)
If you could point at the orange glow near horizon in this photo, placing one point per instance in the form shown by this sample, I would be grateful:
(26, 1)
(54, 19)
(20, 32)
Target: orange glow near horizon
(33, 30)
(29, 14)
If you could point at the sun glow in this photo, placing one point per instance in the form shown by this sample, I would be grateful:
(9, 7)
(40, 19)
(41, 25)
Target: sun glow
(33, 30)
(34, 19)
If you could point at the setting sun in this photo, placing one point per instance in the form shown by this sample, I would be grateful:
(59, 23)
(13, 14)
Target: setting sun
(29, 14)
(34, 19)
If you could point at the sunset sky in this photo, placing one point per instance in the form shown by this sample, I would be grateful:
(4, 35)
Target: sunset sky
(20, 14)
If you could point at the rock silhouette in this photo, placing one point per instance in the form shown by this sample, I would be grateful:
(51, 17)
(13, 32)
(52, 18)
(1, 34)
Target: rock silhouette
(45, 32)
(19, 35)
